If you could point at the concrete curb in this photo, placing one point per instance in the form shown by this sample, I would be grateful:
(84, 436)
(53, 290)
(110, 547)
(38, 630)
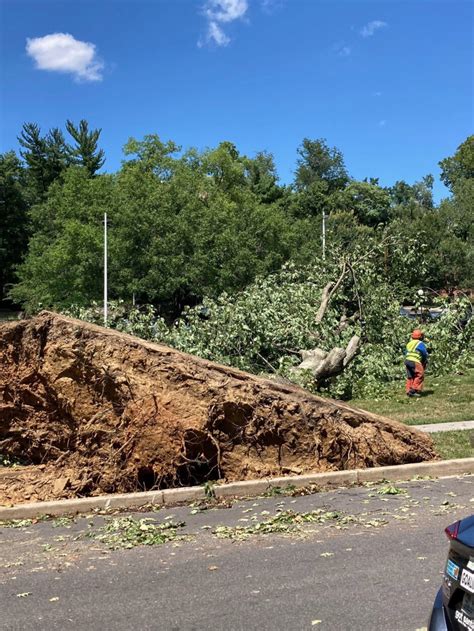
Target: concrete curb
(443, 468)
(434, 428)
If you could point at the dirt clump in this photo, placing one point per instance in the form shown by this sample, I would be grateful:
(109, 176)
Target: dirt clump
(90, 411)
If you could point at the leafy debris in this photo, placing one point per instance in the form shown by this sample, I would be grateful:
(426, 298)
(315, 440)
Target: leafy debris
(390, 489)
(128, 532)
(289, 522)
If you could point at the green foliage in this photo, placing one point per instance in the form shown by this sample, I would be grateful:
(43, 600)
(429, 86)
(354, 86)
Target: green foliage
(459, 167)
(278, 491)
(128, 532)
(345, 232)
(450, 338)
(63, 522)
(445, 236)
(284, 522)
(64, 262)
(85, 153)
(455, 230)
(13, 218)
(390, 489)
(181, 227)
(45, 156)
(318, 162)
(263, 178)
(290, 522)
(369, 203)
(186, 225)
(263, 327)
(16, 523)
(48, 156)
(215, 229)
(408, 199)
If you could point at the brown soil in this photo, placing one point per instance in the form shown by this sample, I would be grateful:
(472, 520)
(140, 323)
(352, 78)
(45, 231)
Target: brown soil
(98, 411)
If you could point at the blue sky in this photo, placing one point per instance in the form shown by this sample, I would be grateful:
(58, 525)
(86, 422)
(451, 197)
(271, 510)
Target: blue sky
(389, 82)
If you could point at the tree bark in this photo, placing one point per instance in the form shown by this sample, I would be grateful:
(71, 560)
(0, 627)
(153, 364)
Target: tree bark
(324, 365)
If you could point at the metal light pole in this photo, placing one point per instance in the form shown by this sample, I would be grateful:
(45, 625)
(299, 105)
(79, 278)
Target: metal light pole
(324, 236)
(105, 269)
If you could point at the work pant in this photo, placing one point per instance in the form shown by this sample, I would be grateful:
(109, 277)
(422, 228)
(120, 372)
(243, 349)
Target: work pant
(415, 377)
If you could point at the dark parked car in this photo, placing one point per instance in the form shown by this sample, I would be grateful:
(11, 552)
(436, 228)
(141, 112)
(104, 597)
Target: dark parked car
(453, 609)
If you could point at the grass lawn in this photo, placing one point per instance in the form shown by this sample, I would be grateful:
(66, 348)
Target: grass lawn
(445, 399)
(454, 444)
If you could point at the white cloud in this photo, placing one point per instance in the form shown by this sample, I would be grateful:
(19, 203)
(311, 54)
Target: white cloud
(269, 6)
(341, 49)
(219, 12)
(369, 29)
(216, 34)
(61, 52)
(225, 10)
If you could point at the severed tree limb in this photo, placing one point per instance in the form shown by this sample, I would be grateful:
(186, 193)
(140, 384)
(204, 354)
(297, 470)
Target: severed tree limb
(328, 293)
(351, 350)
(345, 321)
(324, 365)
(354, 280)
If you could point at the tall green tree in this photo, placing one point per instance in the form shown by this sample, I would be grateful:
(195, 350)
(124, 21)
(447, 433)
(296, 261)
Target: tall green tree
(460, 166)
(85, 151)
(407, 198)
(370, 203)
(46, 158)
(64, 263)
(13, 219)
(263, 178)
(318, 162)
(194, 224)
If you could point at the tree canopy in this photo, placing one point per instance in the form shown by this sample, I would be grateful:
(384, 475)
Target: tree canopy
(189, 223)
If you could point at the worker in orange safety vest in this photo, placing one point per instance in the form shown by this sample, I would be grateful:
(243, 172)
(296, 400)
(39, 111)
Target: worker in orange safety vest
(416, 359)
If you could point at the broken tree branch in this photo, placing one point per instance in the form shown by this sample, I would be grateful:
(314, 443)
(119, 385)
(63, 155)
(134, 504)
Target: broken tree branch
(354, 280)
(324, 365)
(328, 293)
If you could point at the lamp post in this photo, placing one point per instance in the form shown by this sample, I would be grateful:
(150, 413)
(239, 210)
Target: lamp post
(105, 269)
(324, 236)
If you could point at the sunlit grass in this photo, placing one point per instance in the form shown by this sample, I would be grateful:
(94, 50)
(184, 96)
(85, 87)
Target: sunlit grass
(454, 444)
(445, 399)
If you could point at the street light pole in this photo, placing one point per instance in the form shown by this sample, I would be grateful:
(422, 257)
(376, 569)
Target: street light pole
(105, 269)
(324, 236)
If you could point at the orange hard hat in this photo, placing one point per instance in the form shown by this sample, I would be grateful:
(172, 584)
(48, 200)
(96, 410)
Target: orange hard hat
(417, 334)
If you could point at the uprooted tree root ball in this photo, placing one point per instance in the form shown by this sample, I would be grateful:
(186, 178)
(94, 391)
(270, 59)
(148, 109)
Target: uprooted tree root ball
(92, 411)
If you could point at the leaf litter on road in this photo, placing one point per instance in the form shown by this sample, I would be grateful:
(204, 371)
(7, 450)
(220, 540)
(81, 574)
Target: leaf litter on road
(390, 489)
(290, 522)
(128, 532)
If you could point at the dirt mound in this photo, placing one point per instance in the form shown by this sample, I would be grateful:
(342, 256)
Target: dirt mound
(99, 411)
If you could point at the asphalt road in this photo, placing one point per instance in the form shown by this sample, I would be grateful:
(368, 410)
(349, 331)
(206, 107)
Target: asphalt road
(378, 569)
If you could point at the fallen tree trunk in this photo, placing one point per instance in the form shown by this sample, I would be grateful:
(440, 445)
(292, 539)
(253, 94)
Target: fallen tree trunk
(326, 364)
(103, 411)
